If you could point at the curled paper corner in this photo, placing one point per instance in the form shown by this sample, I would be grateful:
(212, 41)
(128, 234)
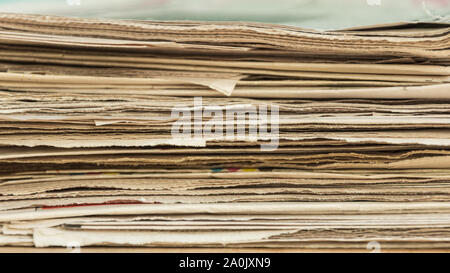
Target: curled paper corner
(224, 86)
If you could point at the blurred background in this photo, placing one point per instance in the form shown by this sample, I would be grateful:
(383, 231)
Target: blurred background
(318, 14)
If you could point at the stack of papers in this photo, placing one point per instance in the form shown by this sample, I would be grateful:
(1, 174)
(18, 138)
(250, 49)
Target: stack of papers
(192, 134)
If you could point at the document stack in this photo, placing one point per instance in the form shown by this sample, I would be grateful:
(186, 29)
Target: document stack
(144, 134)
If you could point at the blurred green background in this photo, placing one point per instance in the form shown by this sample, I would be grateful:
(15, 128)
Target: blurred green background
(319, 14)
